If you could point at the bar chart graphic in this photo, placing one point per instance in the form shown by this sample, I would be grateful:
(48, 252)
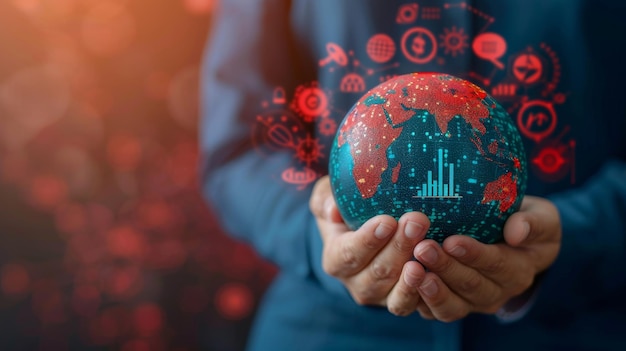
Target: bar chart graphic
(436, 188)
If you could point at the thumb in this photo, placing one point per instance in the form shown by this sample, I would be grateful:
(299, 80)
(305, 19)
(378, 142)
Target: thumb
(322, 203)
(536, 221)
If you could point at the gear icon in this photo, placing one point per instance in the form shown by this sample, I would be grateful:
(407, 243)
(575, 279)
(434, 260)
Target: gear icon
(310, 102)
(327, 126)
(453, 41)
(309, 150)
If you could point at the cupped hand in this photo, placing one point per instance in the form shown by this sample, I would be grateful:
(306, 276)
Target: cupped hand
(374, 262)
(466, 276)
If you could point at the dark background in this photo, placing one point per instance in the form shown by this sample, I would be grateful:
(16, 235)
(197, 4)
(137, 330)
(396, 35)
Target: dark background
(105, 241)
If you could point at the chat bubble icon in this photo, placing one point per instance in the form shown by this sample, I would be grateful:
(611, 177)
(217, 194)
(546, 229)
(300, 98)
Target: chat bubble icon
(490, 47)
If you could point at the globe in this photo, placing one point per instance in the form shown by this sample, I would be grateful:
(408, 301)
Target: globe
(432, 143)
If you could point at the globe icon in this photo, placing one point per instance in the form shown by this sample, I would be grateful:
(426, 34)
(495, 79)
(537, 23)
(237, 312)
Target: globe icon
(432, 143)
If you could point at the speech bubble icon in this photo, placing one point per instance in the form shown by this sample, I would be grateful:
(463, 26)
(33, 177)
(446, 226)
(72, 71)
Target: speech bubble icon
(490, 47)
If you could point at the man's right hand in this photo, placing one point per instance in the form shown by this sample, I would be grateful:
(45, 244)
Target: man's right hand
(374, 262)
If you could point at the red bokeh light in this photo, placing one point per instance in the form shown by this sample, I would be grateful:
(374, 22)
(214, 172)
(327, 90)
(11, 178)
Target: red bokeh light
(47, 191)
(86, 300)
(167, 254)
(107, 327)
(124, 151)
(126, 242)
(71, 219)
(200, 7)
(48, 301)
(147, 319)
(234, 301)
(108, 28)
(122, 283)
(15, 279)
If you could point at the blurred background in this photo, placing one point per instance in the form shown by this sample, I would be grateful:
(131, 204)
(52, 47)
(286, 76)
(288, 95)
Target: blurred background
(105, 241)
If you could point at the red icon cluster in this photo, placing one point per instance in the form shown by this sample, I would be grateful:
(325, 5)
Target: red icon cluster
(524, 82)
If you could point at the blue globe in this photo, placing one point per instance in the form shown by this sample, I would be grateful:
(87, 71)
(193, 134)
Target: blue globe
(432, 143)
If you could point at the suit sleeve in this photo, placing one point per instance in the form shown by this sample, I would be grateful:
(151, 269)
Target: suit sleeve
(593, 251)
(250, 52)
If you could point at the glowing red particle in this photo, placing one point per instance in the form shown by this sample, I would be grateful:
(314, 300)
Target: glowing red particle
(234, 301)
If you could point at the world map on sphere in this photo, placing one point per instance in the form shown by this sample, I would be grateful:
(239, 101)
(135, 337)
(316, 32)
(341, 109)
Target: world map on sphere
(432, 143)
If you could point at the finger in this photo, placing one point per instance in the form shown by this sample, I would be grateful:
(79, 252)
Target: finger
(404, 297)
(424, 311)
(376, 280)
(348, 252)
(444, 305)
(322, 203)
(504, 266)
(463, 280)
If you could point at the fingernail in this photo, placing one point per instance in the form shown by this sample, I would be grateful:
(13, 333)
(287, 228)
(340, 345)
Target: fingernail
(411, 280)
(413, 230)
(429, 288)
(458, 251)
(428, 256)
(383, 231)
(525, 230)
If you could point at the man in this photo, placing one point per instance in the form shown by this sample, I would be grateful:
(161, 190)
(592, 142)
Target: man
(280, 75)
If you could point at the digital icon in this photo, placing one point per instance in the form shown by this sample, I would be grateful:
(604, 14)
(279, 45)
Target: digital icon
(281, 136)
(490, 47)
(327, 126)
(279, 97)
(554, 77)
(549, 160)
(453, 41)
(504, 90)
(407, 13)
(419, 45)
(335, 54)
(552, 160)
(277, 130)
(352, 83)
(527, 68)
(310, 101)
(301, 178)
(309, 150)
(380, 48)
(536, 119)
(431, 13)
(286, 133)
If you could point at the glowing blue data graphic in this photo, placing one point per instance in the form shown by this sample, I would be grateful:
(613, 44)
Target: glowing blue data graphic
(435, 188)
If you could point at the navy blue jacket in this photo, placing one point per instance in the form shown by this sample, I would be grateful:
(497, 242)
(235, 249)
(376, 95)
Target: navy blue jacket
(280, 75)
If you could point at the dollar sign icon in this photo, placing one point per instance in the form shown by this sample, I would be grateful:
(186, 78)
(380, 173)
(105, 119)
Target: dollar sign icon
(418, 45)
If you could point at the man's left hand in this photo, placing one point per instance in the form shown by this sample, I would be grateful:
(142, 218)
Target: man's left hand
(465, 276)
